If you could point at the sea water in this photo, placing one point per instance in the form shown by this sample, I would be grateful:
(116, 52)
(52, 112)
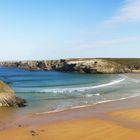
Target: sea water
(47, 91)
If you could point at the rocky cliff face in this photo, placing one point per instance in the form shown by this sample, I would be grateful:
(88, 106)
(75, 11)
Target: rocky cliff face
(98, 66)
(8, 98)
(72, 65)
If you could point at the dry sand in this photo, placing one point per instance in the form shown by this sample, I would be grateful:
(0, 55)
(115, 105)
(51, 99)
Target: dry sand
(86, 128)
(82, 129)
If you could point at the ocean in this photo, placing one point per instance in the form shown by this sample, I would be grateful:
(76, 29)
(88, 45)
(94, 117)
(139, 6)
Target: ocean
(49, 91)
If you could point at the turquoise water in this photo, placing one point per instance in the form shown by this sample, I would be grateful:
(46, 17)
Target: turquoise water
(50, 90)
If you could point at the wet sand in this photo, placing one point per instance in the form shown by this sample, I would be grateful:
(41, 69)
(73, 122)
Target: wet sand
(118, 120)
(88, 128)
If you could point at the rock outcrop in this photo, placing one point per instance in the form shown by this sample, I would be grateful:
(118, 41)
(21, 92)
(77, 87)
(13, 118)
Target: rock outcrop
(8, 98)
(72, 65)
(98, 66)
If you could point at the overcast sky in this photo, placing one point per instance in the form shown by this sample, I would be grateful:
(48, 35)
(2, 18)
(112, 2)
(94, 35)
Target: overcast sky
(53, 29)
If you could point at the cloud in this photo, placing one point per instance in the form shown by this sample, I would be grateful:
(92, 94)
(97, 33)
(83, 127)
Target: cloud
(124, 16)
(129, 12)
(118, 41)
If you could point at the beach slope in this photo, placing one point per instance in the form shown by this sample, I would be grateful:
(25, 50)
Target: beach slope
(84, 129)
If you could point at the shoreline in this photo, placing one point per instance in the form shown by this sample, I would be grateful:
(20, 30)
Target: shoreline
(85, 106)
(105, 120)
(35, 118)
(98, 110)
(110, 119)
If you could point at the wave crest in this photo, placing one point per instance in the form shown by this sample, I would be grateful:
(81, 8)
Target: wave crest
(82, 89)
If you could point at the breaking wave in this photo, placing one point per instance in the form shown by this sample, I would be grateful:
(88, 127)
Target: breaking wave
(82, 89)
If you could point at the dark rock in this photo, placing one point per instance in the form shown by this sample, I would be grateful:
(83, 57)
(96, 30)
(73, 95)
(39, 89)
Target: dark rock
(20, 102)
(33, 133)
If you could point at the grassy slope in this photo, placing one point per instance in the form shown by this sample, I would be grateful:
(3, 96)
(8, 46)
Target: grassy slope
(5, 88)
(133, 63)
(125, 61)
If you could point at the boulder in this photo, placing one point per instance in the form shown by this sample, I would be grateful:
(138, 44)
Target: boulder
(8, 97)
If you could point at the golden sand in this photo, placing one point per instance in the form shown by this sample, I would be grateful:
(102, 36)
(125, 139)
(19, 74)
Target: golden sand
(131, 114)
(80, 129)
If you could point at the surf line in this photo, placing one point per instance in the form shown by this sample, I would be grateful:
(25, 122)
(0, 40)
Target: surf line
(83, 88)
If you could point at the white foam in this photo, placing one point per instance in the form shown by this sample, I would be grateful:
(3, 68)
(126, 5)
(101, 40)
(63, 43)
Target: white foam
(89, 95)
(135, 80)
(82, 89)
(132, 79)
(97, 94)
(89, 105)
(123, 75)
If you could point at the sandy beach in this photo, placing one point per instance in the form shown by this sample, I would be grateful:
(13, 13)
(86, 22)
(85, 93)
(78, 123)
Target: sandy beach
(84, 129)
(118, 120)
(69, 69)
(108, 120)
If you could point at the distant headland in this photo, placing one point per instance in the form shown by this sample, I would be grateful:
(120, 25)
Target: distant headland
(81, 65)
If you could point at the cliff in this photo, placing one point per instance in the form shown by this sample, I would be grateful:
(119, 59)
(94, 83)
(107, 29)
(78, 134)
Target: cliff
(72, 65)
(8, 98)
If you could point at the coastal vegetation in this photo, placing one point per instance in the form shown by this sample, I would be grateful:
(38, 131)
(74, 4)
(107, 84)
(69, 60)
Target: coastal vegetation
(8, 97)
(131, 63)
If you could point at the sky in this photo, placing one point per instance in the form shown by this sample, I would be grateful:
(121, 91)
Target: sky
(54, 29)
